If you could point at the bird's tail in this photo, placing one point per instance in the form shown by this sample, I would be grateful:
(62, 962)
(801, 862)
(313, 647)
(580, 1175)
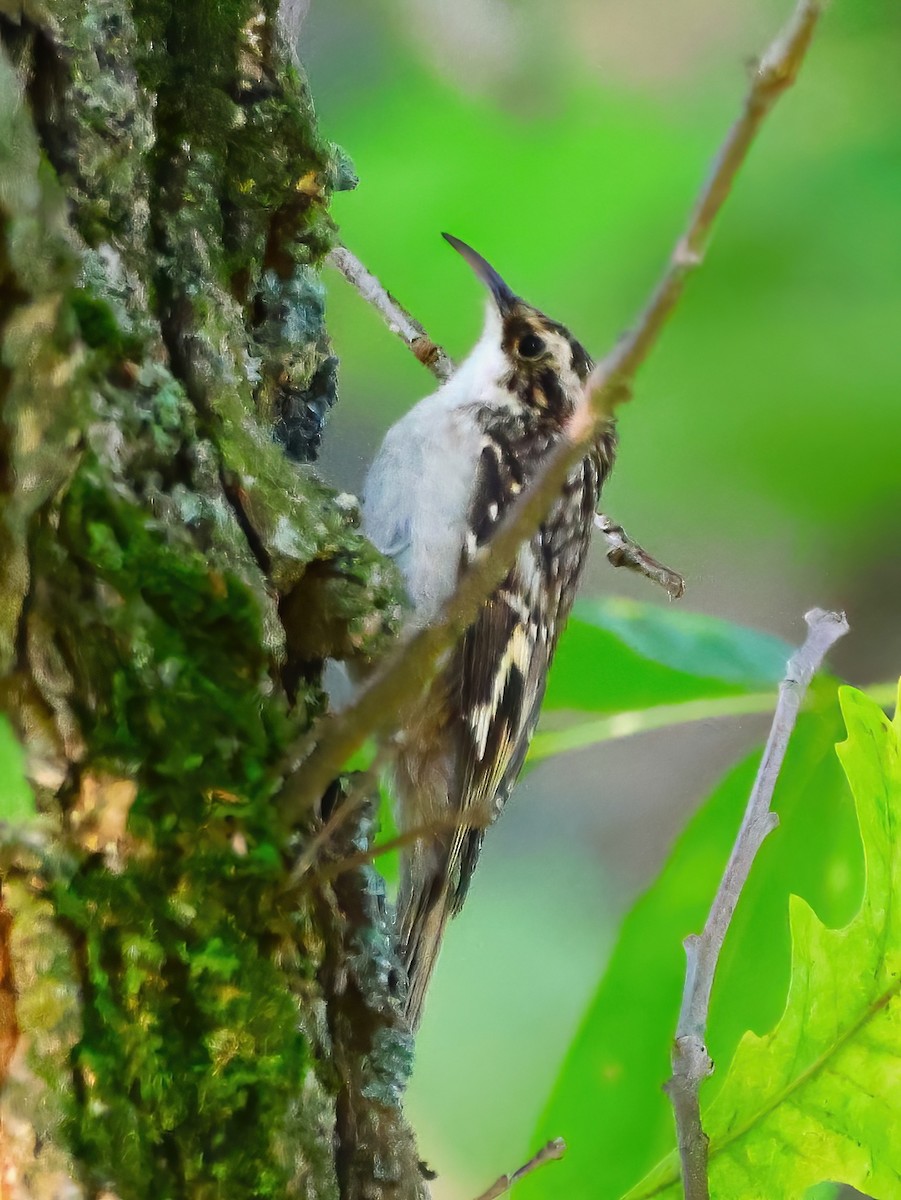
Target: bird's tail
(424, 908)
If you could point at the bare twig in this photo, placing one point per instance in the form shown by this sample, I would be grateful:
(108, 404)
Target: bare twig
(348, 807)
(406, 672)
(396, 317)
(417, 833)
(553, 1150)
(361, 786)
(624, 552)
(776, 71)
(691, 1063)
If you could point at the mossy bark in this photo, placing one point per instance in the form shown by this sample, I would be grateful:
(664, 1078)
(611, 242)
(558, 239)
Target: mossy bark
(181, 1020)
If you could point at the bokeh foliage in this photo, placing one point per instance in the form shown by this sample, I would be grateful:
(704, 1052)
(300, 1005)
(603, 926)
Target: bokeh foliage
(758, 453)
(759, 457)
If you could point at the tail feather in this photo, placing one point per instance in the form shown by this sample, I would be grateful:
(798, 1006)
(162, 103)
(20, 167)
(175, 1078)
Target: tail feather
(422, 915)
(434, 882)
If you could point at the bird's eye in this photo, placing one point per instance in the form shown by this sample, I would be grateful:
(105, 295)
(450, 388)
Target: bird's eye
(530, 345)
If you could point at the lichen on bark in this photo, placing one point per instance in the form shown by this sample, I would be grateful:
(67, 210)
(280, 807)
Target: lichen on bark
(172, 583)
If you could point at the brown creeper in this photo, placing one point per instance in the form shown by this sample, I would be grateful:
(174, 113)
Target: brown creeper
(440, 484)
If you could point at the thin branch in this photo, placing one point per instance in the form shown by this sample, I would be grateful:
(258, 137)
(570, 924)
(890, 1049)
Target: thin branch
(775, 73)
(417, 833)
(624, 552)
(349, 806)
(553, 1150)
(396, 317)
(361, 786)
(407, 670)
(691, 1063)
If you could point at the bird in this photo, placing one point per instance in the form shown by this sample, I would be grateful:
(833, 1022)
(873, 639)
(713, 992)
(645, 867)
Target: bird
(442, 481)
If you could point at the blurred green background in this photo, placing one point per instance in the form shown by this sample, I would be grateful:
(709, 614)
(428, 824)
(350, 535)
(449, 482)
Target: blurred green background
(760, 456)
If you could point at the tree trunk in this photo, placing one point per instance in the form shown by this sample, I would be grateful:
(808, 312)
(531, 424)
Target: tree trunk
(178, 1015)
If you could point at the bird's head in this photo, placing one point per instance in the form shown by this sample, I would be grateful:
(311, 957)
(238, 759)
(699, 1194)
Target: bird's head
(541, 363)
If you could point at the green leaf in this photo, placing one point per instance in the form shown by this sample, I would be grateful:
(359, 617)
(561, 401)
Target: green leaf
(619, 654)
(817, 1098)
(644, 667)
(608, 1103)
(16, 799)
(686, 641)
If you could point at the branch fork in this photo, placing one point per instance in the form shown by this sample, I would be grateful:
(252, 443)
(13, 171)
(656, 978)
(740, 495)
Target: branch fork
(553, 1150)
(691, 1062)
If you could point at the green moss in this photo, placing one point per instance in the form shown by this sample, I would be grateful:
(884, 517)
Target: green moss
(99, 326)
(190, 1055)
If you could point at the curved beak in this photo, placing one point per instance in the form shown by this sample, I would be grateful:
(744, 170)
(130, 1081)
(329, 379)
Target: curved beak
(503, 296)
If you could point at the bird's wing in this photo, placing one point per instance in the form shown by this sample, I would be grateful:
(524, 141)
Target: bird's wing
(498, 673)
(500, 667)
(503, 665)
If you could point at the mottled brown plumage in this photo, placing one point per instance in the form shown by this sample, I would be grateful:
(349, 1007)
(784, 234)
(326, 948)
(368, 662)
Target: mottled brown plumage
(493, 424)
